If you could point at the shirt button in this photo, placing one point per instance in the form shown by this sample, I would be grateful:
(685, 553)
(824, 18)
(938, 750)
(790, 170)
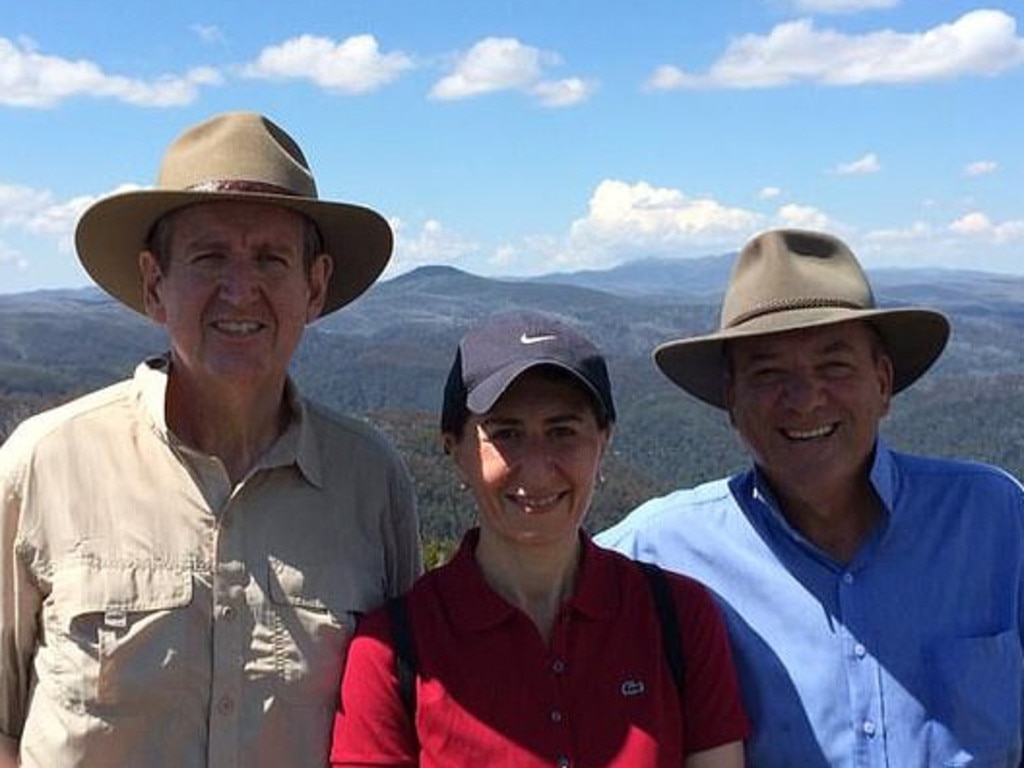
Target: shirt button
(869, 728)
(556, 716)
(848, 578)
(558, 666)
(226, 705)
(859, 651)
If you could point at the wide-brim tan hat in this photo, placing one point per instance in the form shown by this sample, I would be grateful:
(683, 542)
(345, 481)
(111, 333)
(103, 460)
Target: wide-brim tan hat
(789, 279)
(234, 156)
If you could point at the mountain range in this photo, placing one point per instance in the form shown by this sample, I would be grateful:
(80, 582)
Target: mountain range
(386, 356)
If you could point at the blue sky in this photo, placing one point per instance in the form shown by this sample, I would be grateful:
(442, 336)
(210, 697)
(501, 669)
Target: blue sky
(519, 137)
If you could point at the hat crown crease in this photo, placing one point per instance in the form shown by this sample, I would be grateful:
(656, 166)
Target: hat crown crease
(247, 148)
(769, 278)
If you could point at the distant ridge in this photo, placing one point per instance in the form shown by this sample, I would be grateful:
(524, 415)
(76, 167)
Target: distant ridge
(702, 277)
(705, 277)
(385, 357)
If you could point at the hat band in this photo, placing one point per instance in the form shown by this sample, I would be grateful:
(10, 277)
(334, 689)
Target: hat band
(240, 185)
(788, 305)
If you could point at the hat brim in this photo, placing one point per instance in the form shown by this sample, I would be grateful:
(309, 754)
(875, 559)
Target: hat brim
(913, 337)
(112, 232)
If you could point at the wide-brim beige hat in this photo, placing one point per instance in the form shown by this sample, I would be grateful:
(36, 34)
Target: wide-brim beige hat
(789, 279)
(233, 156)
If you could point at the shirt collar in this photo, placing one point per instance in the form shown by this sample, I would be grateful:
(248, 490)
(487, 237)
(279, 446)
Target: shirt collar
(883, 477)
(598, 591)
(476, 607)
(297, 444)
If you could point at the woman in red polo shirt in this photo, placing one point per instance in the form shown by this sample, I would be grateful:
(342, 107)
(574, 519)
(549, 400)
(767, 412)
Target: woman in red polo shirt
(532, 646)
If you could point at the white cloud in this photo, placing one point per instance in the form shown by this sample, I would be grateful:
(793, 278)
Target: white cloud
(629, 220)
(842, 6)
(671, 78)
(11, 258)
(971, 224)
(353, 66)
(432, 243)
(36, 215)
(769, 193)
(980, 168)
(19, 205)
(505, 256)
(863, 166)
(505, 64)
(493, 64)
(563, 93)
(58, 219)
(31, 79)
(209, 33)
(978, 225)
(804, 217)
(37, 228)
(530, 255)
(982, 42)
(973, 241)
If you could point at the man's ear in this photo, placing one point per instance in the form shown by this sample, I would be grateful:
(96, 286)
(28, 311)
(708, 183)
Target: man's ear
(319, 279)
(151, 276)
(728, 396)
(886, 377)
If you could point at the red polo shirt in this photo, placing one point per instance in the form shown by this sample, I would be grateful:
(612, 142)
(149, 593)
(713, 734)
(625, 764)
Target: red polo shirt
(490, 692)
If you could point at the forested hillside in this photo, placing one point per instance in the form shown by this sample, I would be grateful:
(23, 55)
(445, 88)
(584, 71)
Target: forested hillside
(385, 359)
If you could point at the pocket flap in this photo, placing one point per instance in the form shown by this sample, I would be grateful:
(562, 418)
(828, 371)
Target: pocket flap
(98, 588)
(315, 587)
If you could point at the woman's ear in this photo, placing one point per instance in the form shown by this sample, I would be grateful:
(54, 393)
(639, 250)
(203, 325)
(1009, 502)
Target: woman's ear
(609, 432)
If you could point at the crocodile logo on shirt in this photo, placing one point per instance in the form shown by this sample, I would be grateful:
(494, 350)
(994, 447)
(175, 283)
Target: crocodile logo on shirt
(632, 687)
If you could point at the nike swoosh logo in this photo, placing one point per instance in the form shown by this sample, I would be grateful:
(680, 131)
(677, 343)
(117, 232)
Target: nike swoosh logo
(524, 339)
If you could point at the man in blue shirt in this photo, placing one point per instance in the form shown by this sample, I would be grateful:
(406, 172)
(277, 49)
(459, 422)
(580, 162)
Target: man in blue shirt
(874, 599)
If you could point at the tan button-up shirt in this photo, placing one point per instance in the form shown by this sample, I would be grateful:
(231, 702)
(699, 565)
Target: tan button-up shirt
(152, 614)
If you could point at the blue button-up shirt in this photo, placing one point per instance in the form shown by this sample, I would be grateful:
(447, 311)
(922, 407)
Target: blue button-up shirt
(909, 655)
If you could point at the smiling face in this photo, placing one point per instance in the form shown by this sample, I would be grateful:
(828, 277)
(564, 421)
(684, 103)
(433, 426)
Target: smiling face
(235, 293)
(808, 403)
(532, 461)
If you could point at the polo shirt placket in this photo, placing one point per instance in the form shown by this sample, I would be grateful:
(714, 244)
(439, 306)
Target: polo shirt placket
(564, 748)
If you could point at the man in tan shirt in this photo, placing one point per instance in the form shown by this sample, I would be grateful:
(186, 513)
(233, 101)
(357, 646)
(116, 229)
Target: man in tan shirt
(183, 554)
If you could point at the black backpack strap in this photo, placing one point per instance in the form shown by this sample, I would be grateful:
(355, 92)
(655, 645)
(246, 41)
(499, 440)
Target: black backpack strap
(405, 653)
(664, 604)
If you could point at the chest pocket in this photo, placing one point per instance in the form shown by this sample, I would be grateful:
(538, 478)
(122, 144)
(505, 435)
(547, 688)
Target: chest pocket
(976, 696)
(314, 612)
(122, 634)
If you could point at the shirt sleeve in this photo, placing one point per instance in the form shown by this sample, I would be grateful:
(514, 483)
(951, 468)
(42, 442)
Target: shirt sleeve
(713, 712)
(371, 725)
(20, 599)
(406, 560)
(620, 538)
